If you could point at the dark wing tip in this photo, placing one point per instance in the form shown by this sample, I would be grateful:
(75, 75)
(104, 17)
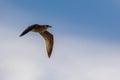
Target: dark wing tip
(49, 55)
(50, 50)
(26, 30)
(21, 35)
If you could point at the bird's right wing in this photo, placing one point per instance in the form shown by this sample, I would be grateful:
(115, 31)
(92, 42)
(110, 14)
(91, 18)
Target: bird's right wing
(48, 37)
(26, 30)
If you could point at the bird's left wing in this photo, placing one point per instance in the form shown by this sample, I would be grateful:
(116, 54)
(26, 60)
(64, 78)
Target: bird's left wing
(48, 37)
(26, 30)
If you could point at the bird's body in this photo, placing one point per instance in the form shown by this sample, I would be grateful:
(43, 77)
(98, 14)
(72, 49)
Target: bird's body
(39, 29)
(42, 30)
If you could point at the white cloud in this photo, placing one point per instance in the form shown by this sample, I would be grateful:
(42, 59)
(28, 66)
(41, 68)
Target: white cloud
(20, 69)
(73, 58)
(85, 59)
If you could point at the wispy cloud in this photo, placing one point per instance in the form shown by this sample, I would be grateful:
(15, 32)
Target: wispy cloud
(72, 59)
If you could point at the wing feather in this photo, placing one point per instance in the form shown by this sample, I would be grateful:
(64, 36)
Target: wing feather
(49, 41)
(27, 30)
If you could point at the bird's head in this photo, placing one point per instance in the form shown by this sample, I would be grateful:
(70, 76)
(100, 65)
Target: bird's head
(48, 26)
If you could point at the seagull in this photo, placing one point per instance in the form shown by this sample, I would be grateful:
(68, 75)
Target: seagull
(47, 36)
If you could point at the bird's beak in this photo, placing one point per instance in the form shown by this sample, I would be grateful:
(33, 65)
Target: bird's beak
(50, 26)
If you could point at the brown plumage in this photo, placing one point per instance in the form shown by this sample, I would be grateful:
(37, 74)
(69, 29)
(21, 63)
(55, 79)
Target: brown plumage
(48, 37)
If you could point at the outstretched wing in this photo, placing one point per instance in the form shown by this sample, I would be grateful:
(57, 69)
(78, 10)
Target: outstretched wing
(27, 30)
(48, 37)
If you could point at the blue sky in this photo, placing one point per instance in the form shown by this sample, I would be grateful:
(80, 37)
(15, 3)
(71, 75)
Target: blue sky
(87, 40)
(99, 19)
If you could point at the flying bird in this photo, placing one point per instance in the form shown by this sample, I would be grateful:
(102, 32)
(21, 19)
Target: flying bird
(47, 36)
